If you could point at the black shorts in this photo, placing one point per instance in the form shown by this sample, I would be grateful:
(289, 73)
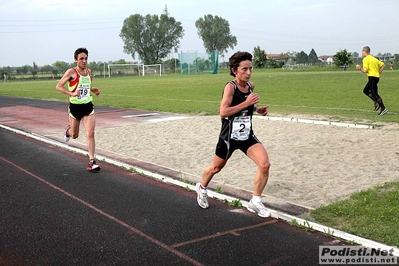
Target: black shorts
(224, 148)
(78, 111)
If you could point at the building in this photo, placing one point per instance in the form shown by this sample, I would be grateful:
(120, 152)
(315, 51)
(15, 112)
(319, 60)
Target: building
(328, 59)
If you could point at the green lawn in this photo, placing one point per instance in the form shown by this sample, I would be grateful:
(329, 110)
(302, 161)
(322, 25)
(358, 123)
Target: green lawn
(335, 94)
(373, 214)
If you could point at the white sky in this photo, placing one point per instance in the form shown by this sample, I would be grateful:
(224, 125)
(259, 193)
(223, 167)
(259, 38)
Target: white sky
(46, 31)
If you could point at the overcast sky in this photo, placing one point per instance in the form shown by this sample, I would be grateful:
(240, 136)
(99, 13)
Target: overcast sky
(46, 31)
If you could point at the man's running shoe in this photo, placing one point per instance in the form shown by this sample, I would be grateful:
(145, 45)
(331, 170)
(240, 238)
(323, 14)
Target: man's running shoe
(376, 106)
(67, 136)
(93, 166)
(202, 196)
(383, 112)
(258, 208)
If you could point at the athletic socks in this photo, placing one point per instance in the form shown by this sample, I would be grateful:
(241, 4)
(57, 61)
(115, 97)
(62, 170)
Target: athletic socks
(256, 199)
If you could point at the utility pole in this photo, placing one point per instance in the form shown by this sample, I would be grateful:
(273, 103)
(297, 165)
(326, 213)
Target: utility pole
(165, 11)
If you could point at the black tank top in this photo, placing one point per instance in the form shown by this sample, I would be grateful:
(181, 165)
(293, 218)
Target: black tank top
(239, 125)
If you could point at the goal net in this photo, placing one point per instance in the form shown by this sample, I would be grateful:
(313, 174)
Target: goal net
(134, 70)
(198, 63)
(152, 70)
(125, 70)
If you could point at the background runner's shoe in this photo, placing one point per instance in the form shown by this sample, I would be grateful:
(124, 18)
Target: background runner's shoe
(383, 112)
(67, 136)
(93, 166)
(376, 106)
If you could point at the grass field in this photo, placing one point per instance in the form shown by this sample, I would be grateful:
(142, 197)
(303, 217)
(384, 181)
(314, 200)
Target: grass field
(336, 95)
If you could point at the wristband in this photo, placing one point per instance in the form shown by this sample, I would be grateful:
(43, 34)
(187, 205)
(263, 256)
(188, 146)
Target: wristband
(255, 106)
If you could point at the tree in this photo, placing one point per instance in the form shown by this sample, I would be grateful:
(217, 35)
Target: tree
(34, 70)
(215, 33)
(171, 64)
(259, 57)
(150, 37)
(272, 63)
(342, 57)
(46, 69)
(302, 58)
(355, 56)
(7, 70)
(61, 66)
(120, 61)
(313, 58)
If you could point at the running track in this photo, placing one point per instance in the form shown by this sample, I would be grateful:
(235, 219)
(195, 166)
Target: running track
(54, 212)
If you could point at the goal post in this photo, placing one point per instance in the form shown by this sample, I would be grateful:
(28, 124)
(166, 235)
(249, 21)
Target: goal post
(125, 70)
(134, 70)
(152, 70)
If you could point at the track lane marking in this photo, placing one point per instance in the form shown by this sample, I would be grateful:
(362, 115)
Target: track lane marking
(103, 213)
(233, 232)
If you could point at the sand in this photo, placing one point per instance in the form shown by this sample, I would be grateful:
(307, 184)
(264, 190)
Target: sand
(312, 164)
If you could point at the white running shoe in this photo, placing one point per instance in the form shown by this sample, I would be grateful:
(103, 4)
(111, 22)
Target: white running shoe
(67, 136)
(258, 208)
(202, 196)
(383, 112)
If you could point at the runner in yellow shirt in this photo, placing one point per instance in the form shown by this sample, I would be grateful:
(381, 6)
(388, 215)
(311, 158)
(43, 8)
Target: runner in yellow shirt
(373, 68)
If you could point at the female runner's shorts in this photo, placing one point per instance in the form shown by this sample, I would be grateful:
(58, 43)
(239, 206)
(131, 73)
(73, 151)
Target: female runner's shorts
(224, 149)
(78, 111)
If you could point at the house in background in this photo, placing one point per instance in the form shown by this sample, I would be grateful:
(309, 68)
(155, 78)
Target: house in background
(328, 59)
(276, 57)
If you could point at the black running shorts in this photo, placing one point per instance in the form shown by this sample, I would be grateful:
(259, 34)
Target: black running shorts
(78, 111)
(224, 149)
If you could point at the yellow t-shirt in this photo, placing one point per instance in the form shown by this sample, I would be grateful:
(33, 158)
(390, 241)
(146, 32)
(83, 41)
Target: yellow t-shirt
(372, 65)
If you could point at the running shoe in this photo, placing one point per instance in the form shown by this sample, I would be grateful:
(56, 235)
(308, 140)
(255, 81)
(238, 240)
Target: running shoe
(376, 106)
(67, 137)
(93, 166)
(202, 196)
(258, 208)
(383, 112)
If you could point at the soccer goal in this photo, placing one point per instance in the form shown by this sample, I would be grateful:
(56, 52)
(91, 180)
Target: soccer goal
(134, 70)
(152, 70)
(125, 70)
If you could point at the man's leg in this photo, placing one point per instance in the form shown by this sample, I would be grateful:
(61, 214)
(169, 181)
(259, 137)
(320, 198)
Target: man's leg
(368, 90)
(374, 91)
(74, 127)
(89, 123)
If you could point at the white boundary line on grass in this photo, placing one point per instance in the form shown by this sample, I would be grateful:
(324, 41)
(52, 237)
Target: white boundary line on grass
(315, 122)
(275, 214)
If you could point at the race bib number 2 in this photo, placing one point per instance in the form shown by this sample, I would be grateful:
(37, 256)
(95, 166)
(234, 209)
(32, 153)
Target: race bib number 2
(241, 128)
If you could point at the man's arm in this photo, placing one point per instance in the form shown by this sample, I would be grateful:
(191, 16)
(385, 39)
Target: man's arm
(382, 68)
(68, 75)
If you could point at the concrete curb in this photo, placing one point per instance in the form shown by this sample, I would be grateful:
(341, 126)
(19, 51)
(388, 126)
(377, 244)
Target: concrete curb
(315, 122)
